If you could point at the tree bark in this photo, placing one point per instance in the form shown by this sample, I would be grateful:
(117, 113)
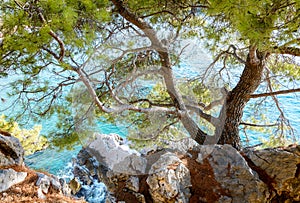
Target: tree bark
(232, 110)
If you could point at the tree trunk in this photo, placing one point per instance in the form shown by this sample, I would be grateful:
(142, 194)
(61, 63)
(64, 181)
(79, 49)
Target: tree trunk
(189, 124)
(232, 110)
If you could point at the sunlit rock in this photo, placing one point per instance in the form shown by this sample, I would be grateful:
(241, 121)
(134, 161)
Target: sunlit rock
(9, 177)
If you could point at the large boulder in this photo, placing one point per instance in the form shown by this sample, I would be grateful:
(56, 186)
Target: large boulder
(236, 179)
(11, 150)
(280, 169)
(109, 160)
(112, 153)
(169, 180)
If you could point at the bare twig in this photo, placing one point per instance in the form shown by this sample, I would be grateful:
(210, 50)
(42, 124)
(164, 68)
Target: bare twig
(258, 125)
(282, 118)
(218, 57)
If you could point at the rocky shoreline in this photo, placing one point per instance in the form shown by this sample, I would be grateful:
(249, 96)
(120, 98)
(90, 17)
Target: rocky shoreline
(188, 172)
(182, 172)
(18, 183)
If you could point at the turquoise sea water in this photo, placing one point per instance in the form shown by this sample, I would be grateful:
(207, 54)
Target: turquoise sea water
(60, 162)
(54, 161)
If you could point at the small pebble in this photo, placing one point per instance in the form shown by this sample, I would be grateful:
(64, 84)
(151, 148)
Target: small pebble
(18, 190)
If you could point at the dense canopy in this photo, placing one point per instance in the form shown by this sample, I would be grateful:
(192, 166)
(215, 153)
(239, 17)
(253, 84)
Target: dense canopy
(85, 61)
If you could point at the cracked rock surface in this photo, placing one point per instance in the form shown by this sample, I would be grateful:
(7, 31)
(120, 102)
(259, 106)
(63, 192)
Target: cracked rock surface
(188, 172)
(282, 170)
(11, 151)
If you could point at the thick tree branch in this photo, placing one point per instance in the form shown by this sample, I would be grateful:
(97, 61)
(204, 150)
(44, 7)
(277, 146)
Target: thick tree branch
(139, 22)
(289, 50)
(274, 93)
(193, 129)
(120, 108)
(253, 59)
(213, 120)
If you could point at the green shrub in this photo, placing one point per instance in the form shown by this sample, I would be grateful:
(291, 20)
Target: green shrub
(31, 140)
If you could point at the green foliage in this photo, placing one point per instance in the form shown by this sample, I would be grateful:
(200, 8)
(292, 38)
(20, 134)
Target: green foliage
(27, 35)
(289, 70)
(31, 140)
(34, 31)
(275, 141)
(75, 119)
(146, 138)
(264, 23)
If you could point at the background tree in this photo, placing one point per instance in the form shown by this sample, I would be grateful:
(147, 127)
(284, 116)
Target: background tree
(111, 46)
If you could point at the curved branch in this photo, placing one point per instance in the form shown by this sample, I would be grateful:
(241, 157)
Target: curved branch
(274, 93)
(293, 41)
(124, 52)
(56, 37)
(61, 45)
(190, 125)
(120, 108)
(51, 33)
(159, 12)
(218, 57)
(152, 103)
